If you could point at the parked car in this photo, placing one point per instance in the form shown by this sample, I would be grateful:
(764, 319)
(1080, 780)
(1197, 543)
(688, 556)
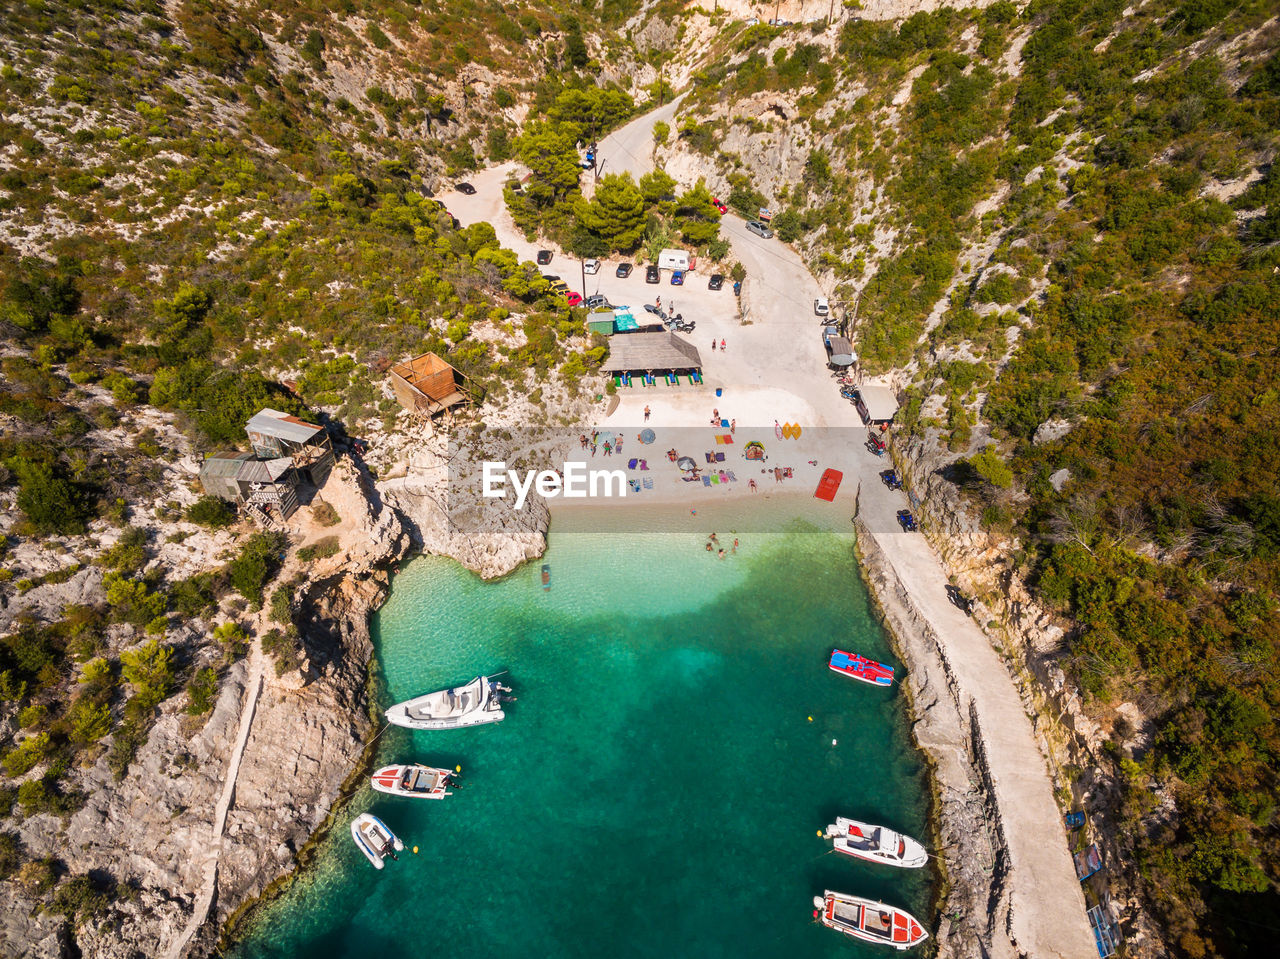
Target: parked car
(466, 188)
(573, 297)
(550, 277)
(544, 257)
(716, 202)
(560, 286)
(651, 274)
(821, 307)
(757, 227)
(623, 271)
(716, 281)
(677, 277)
(597, 301)
(591, 267)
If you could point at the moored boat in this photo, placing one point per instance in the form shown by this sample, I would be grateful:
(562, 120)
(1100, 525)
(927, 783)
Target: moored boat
(868, 920)
(861, 668)
(374, 839)
(546, 576)
(476, 703)
(421, 782)
(876, 843)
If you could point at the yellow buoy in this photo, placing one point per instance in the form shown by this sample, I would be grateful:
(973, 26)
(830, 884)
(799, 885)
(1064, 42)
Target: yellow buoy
(819, 833)
(415, 850)
(810, 719)
(457, 769)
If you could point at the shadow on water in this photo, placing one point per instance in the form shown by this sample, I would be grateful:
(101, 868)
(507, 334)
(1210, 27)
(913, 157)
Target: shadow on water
(656, 790)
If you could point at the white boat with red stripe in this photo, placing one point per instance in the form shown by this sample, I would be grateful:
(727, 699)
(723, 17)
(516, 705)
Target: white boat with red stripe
(864, 840)
(868, 920)
(418, 782)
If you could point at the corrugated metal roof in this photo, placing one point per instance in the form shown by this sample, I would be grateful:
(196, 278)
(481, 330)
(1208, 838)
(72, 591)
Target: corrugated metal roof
(226, 465)
(270, 422)
(264, 471)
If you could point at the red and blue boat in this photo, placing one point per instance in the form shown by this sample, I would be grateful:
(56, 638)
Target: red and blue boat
(859, 667)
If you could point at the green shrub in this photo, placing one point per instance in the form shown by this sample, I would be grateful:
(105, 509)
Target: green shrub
(322, 548)
(51, 502)
(27, 754)
(149, 668)
(202, 691)
(257, 563)
(10, 854)
(211, 512)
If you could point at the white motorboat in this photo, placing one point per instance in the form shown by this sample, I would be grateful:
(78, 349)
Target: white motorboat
(876, 844)
(374, 839)
(478, 702)
(421, 782)
(868, 920)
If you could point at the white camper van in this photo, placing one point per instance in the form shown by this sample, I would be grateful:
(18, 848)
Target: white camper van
(673, 260)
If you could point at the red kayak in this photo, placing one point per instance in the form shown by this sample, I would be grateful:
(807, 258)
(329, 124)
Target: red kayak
(859, 667)
(828, 485)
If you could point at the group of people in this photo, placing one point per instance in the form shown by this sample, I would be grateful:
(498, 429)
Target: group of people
(713, 345)
(592, 443)
(713, 543)
(716, 421)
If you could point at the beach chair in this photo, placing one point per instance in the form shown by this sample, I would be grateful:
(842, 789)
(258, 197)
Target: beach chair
(649, 380)
(631, 464)
(673, 380)
(696, 377)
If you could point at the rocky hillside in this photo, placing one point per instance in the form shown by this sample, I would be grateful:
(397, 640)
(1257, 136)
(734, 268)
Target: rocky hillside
(1054, 226)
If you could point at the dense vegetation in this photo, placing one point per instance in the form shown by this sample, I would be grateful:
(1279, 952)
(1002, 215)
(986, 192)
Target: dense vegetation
(1093, 202)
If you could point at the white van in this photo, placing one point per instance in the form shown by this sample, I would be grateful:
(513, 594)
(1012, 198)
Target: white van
(673, 260)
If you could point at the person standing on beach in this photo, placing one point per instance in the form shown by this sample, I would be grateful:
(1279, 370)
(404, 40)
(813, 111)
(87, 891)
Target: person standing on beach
(646, 414)
(713, 344)
(722, 346)
(733, 426)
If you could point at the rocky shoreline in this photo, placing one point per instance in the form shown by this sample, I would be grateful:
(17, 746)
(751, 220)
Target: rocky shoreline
(973, 901)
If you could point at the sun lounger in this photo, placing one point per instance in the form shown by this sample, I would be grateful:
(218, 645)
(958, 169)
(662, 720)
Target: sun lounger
(673, 380)
(696, 377)
(648, 380)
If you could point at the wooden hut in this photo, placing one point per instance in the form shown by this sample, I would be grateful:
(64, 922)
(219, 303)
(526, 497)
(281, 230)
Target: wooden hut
(267, 489)
(274, 435)
(427, 384)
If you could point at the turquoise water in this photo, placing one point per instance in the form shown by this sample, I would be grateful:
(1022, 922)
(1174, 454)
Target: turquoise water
(656, 789)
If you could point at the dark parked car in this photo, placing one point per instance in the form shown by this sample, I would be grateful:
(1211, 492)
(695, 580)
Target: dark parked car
(550, 277)
(651, 274)
(677, 277)
(716, 281)
(544, 257)
(959, 600)
(466, 188)
(624, 270)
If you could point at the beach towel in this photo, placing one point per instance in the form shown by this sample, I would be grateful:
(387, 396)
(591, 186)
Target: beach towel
(719, 457)
(635, 487)
(710, 457)
(631, 464)
(706, 481)
(725, 438)
(715, 479)
(648, 482)
(644, 464)
(724, 424)
(732, 477)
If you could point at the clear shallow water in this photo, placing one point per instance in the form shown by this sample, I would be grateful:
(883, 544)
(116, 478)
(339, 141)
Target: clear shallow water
(656, 790)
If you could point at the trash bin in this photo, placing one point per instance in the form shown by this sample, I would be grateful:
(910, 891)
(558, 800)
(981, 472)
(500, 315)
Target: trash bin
(719, 392)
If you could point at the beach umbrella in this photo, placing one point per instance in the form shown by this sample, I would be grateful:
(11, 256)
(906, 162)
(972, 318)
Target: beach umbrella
(604, 436)
(686, 463)
(647, 437)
